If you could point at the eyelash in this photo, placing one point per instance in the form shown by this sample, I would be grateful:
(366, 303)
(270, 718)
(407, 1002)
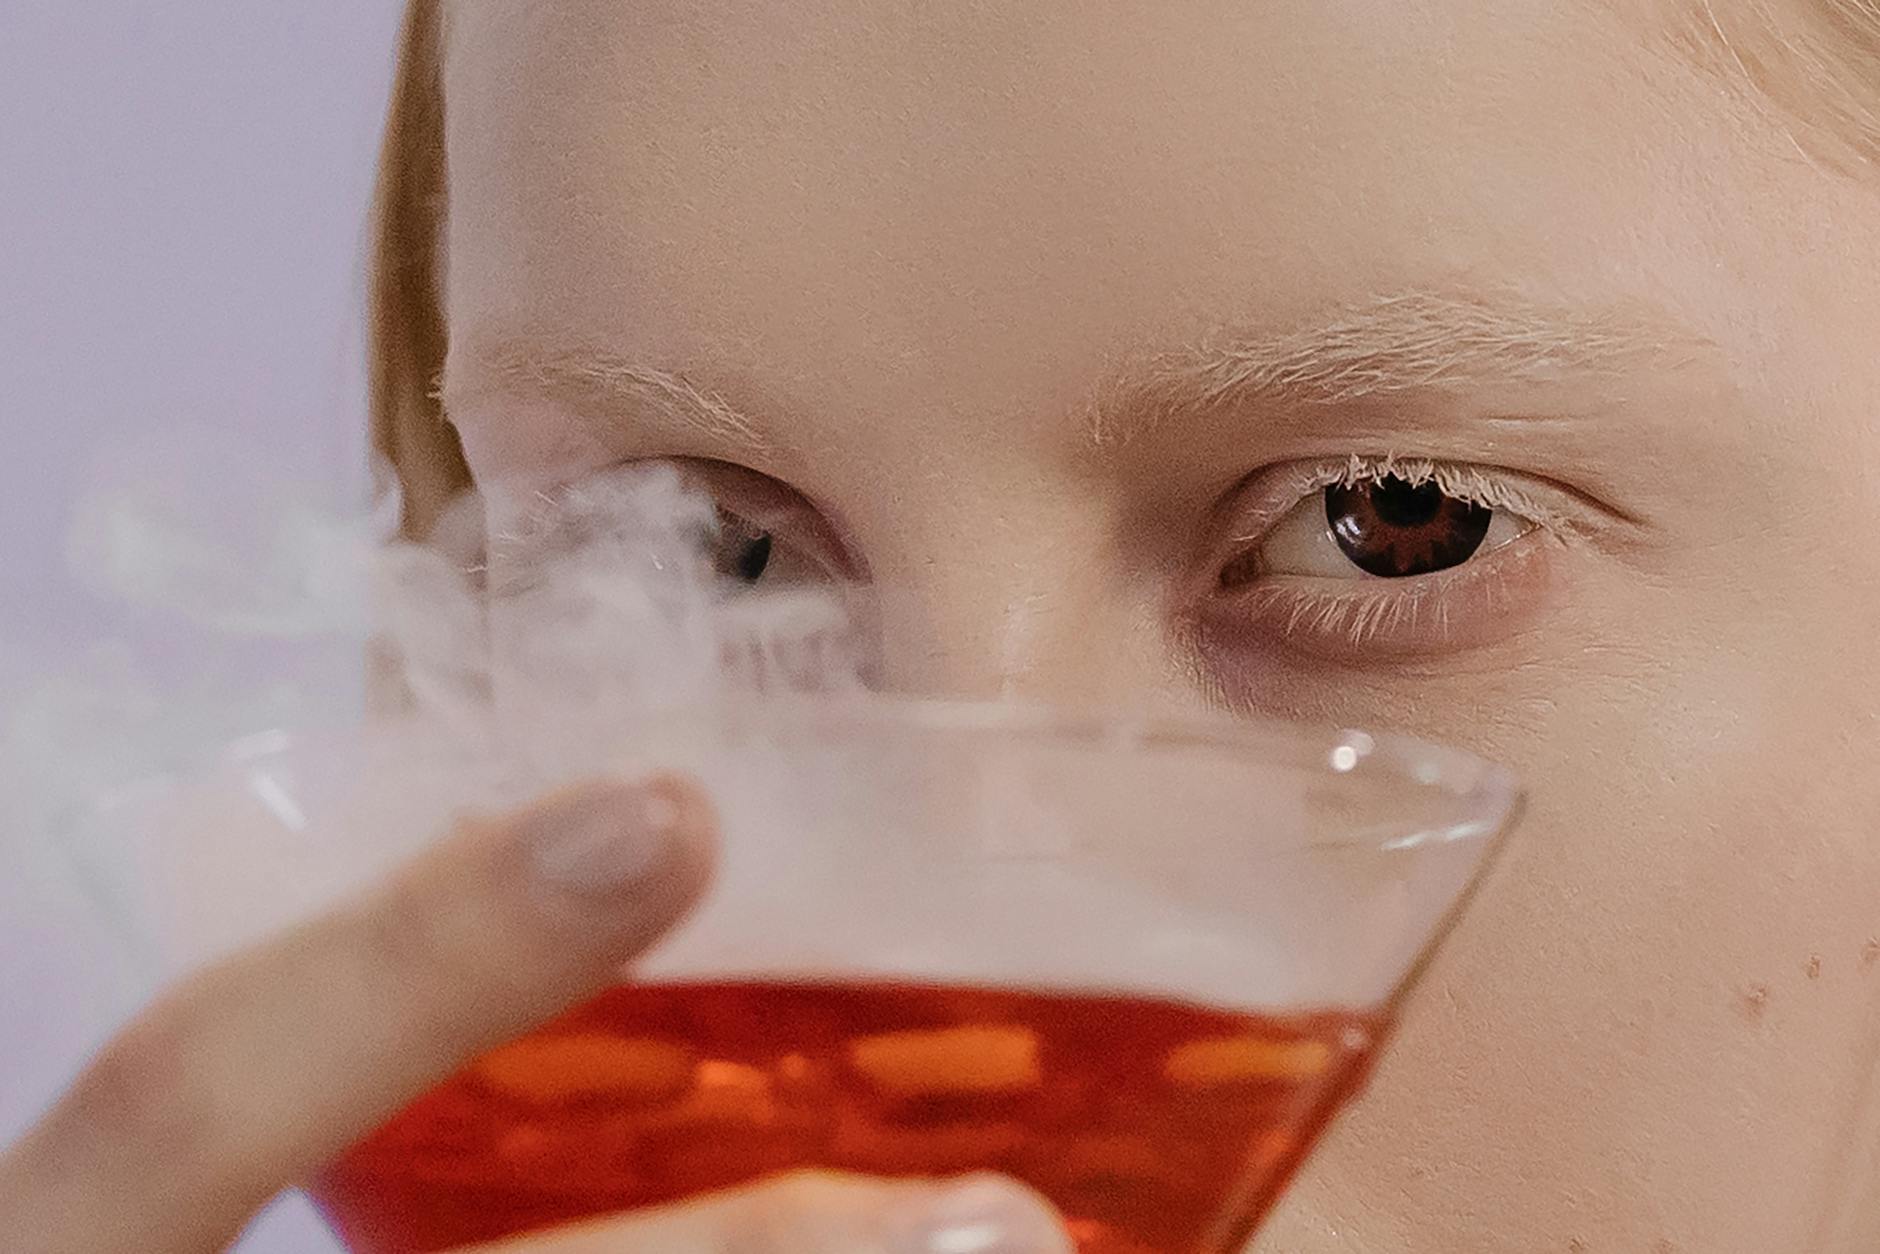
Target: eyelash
(1377, 610)
(1366, 618)
(1475, 484)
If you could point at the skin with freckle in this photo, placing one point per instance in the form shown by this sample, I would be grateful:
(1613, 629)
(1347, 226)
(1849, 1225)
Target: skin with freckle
(1054, 332)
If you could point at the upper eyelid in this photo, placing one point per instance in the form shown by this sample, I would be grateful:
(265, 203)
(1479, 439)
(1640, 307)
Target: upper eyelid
(1279, 489)
(567, 519)
(767, 515)
(1481, 485)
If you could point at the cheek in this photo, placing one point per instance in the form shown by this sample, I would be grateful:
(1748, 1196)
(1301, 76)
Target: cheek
(1666, 1005)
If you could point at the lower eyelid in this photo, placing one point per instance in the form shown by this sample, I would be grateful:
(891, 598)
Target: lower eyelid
(1359, 621)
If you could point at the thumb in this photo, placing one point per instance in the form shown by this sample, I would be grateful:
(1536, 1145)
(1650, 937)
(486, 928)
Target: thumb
(263, 1068)
(825, 1214)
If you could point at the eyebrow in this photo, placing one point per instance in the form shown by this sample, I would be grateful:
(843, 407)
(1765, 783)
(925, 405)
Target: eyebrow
(1394, 344)
(1406, 343)
(595, 384)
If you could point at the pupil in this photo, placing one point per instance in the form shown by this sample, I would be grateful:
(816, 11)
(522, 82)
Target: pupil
(1395, 529)
(1400, 503)
(754, 558)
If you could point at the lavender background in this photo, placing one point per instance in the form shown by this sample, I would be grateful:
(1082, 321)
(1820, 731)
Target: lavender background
(182, 192)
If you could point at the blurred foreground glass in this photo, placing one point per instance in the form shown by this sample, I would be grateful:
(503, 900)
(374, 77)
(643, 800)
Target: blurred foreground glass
(1138, 965)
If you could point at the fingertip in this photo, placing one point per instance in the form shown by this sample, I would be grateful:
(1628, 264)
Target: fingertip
(686, 807)
(977, 1214)
(980, 1214)
(605, 839)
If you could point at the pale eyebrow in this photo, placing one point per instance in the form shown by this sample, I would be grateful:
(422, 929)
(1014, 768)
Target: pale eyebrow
(597, 385)
(1394, 344)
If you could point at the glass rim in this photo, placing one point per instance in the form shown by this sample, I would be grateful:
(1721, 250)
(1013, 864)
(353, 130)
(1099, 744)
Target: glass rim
(1311, 748)
(1490, 794)
(1295, 745)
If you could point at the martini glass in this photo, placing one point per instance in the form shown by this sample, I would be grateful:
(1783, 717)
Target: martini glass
(1138, 964)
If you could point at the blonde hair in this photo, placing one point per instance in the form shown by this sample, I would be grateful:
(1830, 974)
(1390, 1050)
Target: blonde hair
(1818, 61)
(405, 302)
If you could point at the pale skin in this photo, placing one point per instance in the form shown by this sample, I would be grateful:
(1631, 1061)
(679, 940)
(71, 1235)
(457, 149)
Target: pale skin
(931, 267)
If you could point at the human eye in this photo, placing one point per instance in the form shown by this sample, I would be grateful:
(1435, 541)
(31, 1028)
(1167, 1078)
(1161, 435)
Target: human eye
(1372, 558)
(620, 582)
(706, 521)
(765, 534)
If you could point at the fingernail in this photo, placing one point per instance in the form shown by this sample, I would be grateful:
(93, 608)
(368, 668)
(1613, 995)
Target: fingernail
(606, 837)
(982, 1216)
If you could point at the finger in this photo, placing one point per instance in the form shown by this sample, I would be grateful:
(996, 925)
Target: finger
(258, 1071)
(836, 1214)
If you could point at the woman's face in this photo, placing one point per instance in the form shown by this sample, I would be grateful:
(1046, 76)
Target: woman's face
(1059, 326)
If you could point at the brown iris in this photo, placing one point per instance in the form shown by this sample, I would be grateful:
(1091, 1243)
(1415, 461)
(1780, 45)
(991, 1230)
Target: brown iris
(1394, 528)
(742, 551)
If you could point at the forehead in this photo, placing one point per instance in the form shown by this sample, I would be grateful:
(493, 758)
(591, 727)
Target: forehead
(854, 198)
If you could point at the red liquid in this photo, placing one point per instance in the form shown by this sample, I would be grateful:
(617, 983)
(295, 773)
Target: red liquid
(1153, 1126)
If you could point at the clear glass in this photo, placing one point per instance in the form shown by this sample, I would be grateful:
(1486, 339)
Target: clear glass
(1136, 963)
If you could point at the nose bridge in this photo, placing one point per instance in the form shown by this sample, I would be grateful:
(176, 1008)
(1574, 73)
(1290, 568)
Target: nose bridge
(1029, 611)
